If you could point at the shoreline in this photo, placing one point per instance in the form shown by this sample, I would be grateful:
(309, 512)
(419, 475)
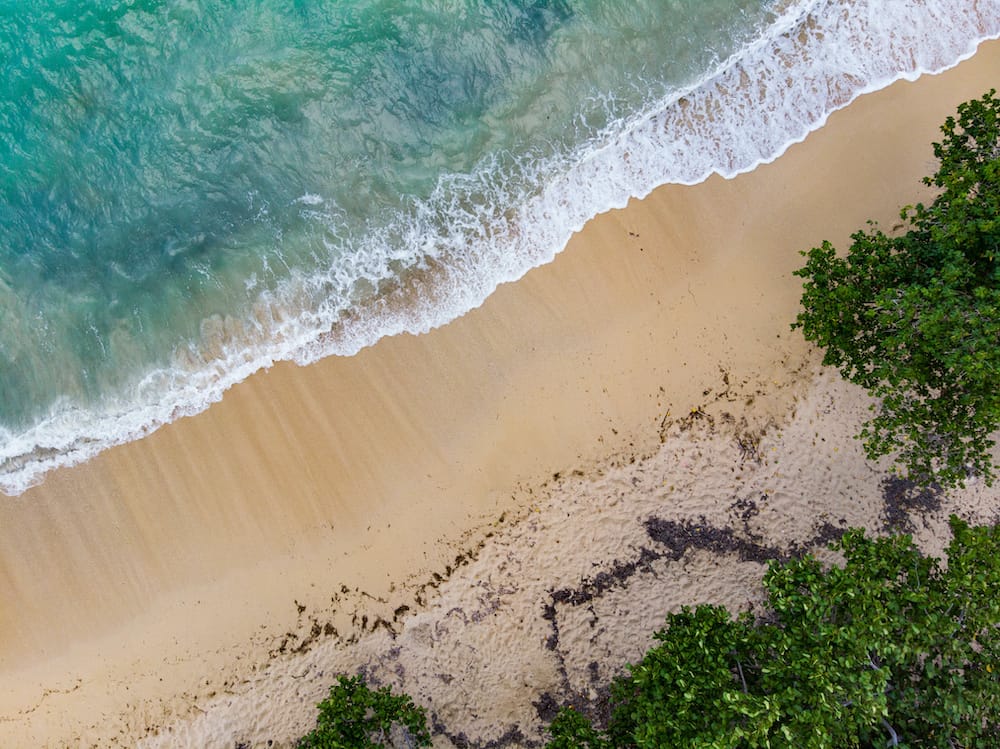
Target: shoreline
(467, 266)
(136, 577)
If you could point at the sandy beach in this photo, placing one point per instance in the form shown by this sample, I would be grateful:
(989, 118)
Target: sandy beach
(412, 510)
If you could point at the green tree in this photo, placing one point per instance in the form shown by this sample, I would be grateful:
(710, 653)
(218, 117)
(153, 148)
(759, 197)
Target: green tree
(915, 318)
(355, 717)
(889, 649)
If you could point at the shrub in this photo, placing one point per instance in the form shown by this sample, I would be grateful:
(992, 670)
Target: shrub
(355, 717)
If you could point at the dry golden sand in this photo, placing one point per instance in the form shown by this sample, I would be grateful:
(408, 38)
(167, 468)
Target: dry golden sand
(166, 584)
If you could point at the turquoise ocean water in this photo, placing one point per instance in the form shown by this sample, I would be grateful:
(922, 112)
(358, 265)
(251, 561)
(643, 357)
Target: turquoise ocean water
(191, 191)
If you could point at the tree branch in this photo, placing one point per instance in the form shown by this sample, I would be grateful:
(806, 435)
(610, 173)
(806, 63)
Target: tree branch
(894, 740)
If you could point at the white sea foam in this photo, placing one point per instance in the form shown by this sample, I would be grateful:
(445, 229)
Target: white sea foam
(486, 228)
(310, 199)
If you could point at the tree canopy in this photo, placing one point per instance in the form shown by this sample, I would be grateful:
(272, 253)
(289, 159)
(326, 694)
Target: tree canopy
(915, 317)
(889, 649)
(356, 717)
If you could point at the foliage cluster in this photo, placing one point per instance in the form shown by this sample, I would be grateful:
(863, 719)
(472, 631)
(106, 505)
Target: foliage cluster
(356, 717)
(890, 649)
(915, 318)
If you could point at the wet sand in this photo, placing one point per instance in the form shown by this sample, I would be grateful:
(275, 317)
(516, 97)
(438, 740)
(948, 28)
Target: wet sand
(142, 585)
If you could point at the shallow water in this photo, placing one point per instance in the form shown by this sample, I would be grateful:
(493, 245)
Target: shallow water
(192, 191)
